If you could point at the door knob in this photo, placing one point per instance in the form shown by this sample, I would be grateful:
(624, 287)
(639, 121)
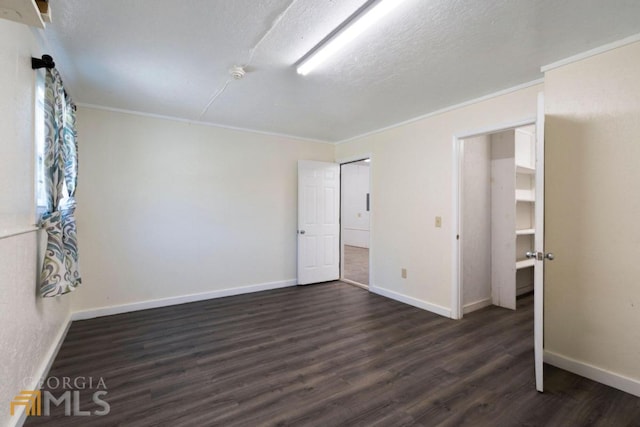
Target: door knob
(302, 231)
(540, 256)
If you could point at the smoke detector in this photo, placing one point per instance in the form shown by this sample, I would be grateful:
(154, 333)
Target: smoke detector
(237, 72)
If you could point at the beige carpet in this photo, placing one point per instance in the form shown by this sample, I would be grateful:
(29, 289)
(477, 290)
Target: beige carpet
(356, 264)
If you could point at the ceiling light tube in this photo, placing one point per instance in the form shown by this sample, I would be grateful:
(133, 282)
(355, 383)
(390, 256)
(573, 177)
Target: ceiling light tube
(355, 26)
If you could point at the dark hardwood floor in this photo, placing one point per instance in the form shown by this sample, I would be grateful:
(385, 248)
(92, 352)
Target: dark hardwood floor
(324, 355)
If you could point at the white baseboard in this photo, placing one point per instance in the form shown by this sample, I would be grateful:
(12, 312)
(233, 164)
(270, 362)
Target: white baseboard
(434, 308)
(43, 370)
(182, 299)
(477, 305)
(351, 282)
(621, 382)
(524, 289)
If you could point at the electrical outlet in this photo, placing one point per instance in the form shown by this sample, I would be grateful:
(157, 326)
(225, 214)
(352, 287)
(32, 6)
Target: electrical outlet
(403, 273)
(438, 221)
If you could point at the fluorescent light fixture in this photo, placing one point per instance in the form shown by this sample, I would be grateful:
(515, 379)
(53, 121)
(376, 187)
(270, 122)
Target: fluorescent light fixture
(353, 29)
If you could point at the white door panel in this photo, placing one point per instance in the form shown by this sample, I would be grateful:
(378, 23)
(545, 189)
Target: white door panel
(318, 222)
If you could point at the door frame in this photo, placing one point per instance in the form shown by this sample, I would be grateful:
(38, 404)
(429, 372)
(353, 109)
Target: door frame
(343, 161)
(458, 158)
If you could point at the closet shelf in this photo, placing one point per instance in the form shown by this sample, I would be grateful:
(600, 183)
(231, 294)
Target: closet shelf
(526, 232)
(526, 199)
(23, 11)
(525, 170)
(525, 263)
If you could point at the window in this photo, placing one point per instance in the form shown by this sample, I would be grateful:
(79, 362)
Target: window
(40, 189)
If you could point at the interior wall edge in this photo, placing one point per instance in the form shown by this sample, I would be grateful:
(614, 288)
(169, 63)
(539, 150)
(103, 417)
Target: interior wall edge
(584, 369)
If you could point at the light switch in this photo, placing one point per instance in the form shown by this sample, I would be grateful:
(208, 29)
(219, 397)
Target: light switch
(359, 215)
(438, 221)
(403, 273)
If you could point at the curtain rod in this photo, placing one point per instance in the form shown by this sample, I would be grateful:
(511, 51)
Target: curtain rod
(45, 62)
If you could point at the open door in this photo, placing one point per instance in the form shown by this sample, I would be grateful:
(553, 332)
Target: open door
(318, 222)
(355, 210)
(540, 256)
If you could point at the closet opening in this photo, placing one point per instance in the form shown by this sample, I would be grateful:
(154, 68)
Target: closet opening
(355, 220)
(497, 224)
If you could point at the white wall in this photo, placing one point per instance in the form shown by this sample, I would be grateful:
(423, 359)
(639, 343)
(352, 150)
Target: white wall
(503, 220)
(354, 215)
(475, 238)
(592, 207)
(31, 326)
(167, 208)
(412, 183)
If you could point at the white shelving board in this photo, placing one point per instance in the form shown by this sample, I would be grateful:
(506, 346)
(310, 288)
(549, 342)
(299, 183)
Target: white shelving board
(24, 11)
(523, 195)
(525, 198)
(526, 232)
(525, 263)
(525, 170)
(525, 203)
(524, 146)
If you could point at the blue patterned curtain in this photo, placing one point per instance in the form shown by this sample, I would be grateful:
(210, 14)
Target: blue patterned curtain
(60, 273)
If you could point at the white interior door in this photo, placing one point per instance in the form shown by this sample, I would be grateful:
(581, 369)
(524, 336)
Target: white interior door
(318, 222)
(538, 283)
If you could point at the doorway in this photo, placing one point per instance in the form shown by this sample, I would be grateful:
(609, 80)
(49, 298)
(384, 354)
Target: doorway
(497, 217)
(355, 220)
(530, 163)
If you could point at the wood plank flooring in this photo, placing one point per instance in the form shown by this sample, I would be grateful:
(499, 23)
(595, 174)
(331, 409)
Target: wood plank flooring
(324, 355)
(356, 264)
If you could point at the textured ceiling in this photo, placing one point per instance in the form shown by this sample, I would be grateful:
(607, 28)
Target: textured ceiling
(171, 57)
